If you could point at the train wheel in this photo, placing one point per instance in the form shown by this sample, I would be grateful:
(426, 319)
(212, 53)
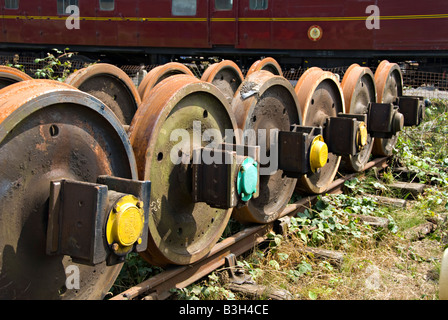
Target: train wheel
(225, 75)
(389, 84)
(180, 230)
(160, 73)
(10, 75)
(358, 86)
(51, 131)
(111, 85)
(264, 102)
(268, 64)
(320, 96)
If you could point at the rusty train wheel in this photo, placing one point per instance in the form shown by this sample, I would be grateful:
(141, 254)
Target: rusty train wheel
(180, 231)
(320, 96)
(111, 85)
(358, 86)
(10, 75)
(49, 131)
(266, 101)
(160, 73)
(389, 83)
(225, 75)
(268, 64)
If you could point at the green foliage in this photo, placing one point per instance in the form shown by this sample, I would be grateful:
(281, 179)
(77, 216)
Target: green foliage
(212, 291)
(17, 66)
(334, 215)
(424, 149)
(54, 64)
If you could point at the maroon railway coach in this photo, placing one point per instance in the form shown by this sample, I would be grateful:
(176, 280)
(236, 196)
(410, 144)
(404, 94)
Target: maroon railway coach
(285, 29)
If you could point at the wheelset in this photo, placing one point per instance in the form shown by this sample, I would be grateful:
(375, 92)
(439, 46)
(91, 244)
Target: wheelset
(164, 133)
(225, 75)
(320, 97)
(389, 83)
(267, 64)
(263, 103)
(358, 86)
(9, 75)
(160, 73)
(111, 85)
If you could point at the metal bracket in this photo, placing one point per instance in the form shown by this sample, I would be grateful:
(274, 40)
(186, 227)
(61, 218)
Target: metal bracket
(78, 213)
(384, 120)
(294, 150)
(236, 273)
(340, 133)
(215, 182)
(412, 108)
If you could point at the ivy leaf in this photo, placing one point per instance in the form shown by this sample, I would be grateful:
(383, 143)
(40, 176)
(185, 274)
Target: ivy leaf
(312, 295)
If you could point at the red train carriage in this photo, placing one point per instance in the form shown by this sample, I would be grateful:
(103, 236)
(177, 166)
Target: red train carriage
(284, 29)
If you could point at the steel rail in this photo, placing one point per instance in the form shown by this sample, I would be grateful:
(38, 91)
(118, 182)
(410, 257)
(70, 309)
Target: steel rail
(158, 287)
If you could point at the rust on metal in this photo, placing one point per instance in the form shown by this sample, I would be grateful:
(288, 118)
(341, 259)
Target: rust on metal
(226, 75)
(268, 64)
(160, 73)
(51, 131)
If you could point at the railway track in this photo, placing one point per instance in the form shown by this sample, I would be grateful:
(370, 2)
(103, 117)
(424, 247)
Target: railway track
(159, 286)
(96, 168)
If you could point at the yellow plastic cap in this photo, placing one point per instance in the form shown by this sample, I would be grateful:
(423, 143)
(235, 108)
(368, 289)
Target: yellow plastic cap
(318, 153)
(125, 222)
(362, 135)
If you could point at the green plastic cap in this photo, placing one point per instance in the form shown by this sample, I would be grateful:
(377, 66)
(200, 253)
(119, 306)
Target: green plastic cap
(247, 179)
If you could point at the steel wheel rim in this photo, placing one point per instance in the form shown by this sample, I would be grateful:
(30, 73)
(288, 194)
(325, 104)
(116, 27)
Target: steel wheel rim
(267, 64)
(389, 83)
(49, 111)
(180, 231)
(359, 90)
(10, 75)
(320, 96)
(274, 105)
(226, 76)
(111, 85)
(160, 73)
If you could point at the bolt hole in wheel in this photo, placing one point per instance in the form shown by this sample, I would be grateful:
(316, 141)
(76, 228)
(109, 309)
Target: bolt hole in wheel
(320, 96)
(54, 130)
(178, 108)
(31, 158)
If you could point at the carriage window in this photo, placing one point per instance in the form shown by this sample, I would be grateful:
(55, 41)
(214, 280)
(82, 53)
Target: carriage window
(63, 4)
(11, 4)
(258, 4)
(183, 7)
(223, 4)
(107, 5)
